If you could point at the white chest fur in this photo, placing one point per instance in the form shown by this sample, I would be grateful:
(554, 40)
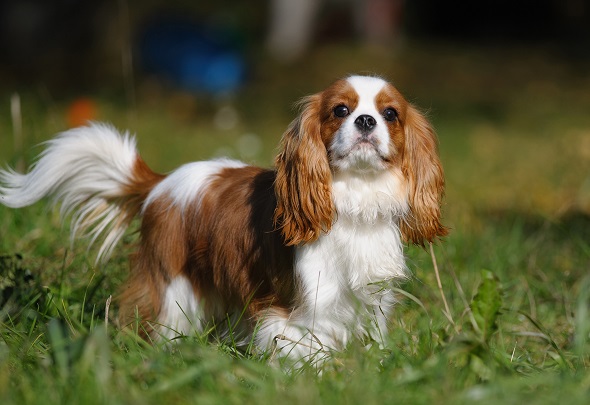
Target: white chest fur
(342, 273)
(366, 232)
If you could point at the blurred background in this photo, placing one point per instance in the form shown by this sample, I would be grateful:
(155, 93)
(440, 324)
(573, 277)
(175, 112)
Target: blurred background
(506, 84)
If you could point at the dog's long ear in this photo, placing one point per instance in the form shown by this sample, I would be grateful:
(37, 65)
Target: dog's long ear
(422, 168)
(303, 184)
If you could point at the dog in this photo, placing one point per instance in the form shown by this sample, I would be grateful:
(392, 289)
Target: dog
(297, 259)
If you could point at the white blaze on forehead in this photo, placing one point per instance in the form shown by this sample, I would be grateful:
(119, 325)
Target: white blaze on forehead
(367, 89)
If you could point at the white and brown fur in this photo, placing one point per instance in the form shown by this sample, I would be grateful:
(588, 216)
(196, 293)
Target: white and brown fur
(305, 252)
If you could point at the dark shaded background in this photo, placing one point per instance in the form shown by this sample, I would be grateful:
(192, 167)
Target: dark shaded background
(78, 45)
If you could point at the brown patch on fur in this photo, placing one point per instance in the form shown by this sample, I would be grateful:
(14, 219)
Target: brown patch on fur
(389, 97)
(340, 93)
(225, 243)
(161, 255)
(303, 180)
(234, 248)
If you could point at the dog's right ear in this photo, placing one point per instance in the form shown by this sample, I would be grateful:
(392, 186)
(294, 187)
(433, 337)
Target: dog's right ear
(303, 184)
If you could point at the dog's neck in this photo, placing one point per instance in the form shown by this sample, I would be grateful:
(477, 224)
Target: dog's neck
(370, 198)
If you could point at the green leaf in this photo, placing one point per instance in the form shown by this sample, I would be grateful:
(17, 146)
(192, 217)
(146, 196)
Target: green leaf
(486, 305)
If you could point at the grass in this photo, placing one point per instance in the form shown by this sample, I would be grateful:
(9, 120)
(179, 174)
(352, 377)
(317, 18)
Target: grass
(514, 132)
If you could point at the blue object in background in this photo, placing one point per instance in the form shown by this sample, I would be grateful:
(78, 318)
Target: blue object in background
(192, 56)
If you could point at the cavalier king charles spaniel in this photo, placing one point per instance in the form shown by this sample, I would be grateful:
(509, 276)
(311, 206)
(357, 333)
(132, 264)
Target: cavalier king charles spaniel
(297, 259)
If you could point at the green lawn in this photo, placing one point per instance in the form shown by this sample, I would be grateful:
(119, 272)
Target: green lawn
(514, 129)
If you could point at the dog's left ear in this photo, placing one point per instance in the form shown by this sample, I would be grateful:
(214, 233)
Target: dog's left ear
(303, 183)
(422, 168)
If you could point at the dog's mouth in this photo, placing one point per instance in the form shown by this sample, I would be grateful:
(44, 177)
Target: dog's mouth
(365, 148)
(365, 142)
(363, 155)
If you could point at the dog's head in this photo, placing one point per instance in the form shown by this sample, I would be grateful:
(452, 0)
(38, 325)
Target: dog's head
(361, 125)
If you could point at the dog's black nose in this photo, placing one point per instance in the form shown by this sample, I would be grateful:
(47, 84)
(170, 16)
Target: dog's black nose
(365, 122)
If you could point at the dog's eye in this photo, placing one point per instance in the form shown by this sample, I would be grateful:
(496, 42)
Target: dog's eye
(341, 111)
(389, 114)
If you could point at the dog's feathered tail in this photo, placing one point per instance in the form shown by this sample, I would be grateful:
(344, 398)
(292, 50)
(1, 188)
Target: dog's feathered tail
(97, 176)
